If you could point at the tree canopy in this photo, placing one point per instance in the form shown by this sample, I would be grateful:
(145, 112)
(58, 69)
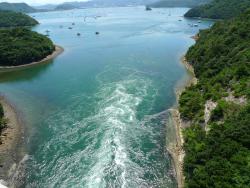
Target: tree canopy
(20, 46)
(15, 19)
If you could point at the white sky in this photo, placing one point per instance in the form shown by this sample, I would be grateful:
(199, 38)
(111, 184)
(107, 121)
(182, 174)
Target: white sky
(39, 2)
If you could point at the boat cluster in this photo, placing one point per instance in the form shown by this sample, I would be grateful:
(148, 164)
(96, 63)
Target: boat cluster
(71, 27)
(73, 24)
(192, 25)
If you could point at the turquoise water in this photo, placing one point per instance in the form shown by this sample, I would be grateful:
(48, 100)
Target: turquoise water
(96, 115)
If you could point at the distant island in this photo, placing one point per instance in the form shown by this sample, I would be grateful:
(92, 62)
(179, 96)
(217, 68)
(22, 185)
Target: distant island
(178, 3)
(17, 7)
(219, 9)
(95, 3)
(21, 46)
(15, 19)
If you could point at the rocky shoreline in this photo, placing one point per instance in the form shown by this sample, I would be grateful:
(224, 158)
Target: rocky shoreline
(12, 138)
(175, 149)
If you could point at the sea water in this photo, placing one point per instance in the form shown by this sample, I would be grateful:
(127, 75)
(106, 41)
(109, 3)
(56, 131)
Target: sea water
(96, 115)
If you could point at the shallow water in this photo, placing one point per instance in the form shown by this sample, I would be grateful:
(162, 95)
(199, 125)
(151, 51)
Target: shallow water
(96, 115)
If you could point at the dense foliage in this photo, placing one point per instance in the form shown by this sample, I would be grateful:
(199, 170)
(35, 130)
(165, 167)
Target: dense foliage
(21, 46)
(2, 119)
(222, 157)
(17, 7)
(179, 3)
(220, 9)
(14, 19)
(221, 61)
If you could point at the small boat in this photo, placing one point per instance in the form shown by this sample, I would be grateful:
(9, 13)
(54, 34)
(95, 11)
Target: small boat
(78, 34)
(73, 23)
(148, 8)
(97, 33)
(179, 20)
(195, 25)
(199, 21)
(69, 27)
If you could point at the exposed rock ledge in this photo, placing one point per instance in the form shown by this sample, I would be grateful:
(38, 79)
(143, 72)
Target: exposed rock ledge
(209, 107)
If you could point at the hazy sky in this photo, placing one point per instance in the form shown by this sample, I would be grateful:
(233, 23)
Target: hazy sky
(38, 2)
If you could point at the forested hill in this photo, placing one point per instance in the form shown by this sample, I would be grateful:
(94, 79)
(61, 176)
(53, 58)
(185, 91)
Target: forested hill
(17, 7)
(65, 7)
(219, 9)
(178, 3)
(20, 46)
(15, 19)
(219, 157)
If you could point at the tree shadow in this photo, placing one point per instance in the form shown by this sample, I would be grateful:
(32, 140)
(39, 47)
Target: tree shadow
(24, 73)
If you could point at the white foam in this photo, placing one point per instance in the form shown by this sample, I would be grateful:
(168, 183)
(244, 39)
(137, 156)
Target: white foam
(109, 134)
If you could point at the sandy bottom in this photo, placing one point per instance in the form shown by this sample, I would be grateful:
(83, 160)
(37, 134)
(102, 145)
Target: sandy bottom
(11, 148)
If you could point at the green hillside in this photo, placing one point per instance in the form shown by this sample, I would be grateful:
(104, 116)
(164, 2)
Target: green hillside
(220, 9)
(15, 19)
(221, 61)
(179, 3)
(17, 7)
(21, 46)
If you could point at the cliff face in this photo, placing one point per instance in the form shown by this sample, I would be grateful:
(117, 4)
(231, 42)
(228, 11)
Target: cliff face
(16, 19)
(17, 7)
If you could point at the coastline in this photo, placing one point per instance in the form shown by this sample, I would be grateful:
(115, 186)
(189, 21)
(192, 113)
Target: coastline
(12, 151)
(12, 138)
(175, 149)
(58, 51)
